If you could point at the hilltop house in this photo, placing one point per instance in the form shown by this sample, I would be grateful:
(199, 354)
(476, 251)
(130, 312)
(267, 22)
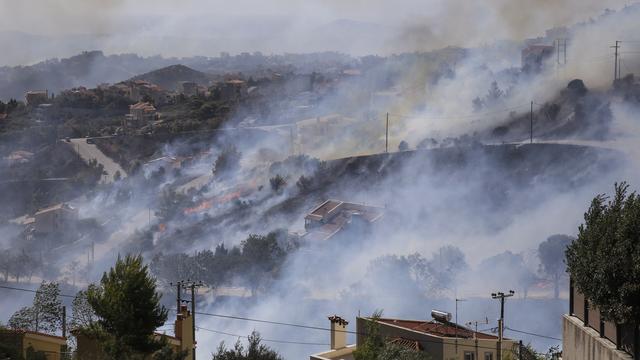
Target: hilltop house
(55, 219)
(37, 97)
(586, 335)
(140, 89)
(440, 338)
(140, 114)
(30, 343)
(183, 339)
(233, 90)
(333, 216)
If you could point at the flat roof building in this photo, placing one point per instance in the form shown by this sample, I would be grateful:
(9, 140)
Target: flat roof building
(24, 342)
(332, 216)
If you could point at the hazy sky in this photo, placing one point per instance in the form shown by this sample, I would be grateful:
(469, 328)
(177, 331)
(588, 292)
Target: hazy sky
(174, 27)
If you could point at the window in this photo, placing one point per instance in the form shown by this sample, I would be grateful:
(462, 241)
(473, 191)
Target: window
(468, 355)
(488, 356)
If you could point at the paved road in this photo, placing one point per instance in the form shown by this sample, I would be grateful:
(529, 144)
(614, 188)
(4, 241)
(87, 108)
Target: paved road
(91, 151)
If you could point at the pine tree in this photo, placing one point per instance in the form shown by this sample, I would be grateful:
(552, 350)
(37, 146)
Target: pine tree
(128, 307)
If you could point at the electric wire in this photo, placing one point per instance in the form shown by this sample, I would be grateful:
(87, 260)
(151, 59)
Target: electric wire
(468, 116)
(533, 334)
(32, 291)
(448, 341)
(267, 340)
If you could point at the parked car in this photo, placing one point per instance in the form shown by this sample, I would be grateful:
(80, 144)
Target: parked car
(91, 141)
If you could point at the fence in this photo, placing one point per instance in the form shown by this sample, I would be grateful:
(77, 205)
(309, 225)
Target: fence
(622, 335)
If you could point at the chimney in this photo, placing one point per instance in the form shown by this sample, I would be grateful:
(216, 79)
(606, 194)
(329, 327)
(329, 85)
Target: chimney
(184, 331)
(338, 332)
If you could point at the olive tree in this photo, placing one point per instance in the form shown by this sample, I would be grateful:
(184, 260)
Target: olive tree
(603, 260)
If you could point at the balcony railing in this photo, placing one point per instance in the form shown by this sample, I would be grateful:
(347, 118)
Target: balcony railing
(622, 335)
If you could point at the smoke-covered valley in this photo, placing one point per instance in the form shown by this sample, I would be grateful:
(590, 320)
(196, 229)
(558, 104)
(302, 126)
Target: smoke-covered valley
(488, 154)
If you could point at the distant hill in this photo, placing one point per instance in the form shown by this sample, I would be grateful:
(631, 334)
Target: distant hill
(169, 77)
(88, 69)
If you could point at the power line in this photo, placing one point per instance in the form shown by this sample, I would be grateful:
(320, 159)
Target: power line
(302, 326)
(533, 334)
(468, 116)
(268, 340)
(32, 291)
(327, 329)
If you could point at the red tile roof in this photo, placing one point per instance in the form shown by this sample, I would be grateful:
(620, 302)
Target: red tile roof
(437, 328)
(43, 334)
(142, 106)
(24, 332)
(411, 344)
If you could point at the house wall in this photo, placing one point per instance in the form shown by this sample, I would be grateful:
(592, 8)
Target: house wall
(54, 221)
(51, 347)
(442, 348)
(584, 343)
(479, 349)
(342, 354)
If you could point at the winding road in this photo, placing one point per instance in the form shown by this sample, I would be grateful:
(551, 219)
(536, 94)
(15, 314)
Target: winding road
(90, 151)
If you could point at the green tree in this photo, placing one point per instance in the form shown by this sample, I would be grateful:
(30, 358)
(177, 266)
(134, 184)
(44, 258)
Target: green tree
(167, 353)
(551, 254)
(170, 204)
(44, 315)
(11, 105)
(604, 260)
(277, 183)
(262, 256)
(255, 350)
(128, 307)
(227, 161)
(82, 314)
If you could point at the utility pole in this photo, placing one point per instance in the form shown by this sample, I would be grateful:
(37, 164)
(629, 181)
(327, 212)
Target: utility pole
(531, 121)
(615, 63)
(386, 142)
(178, 286)
(457, 301)
(64, 321)
(620, 67)
(501, 296)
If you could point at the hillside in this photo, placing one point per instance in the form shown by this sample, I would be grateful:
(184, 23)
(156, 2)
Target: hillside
(169, 77)
(87, 69)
